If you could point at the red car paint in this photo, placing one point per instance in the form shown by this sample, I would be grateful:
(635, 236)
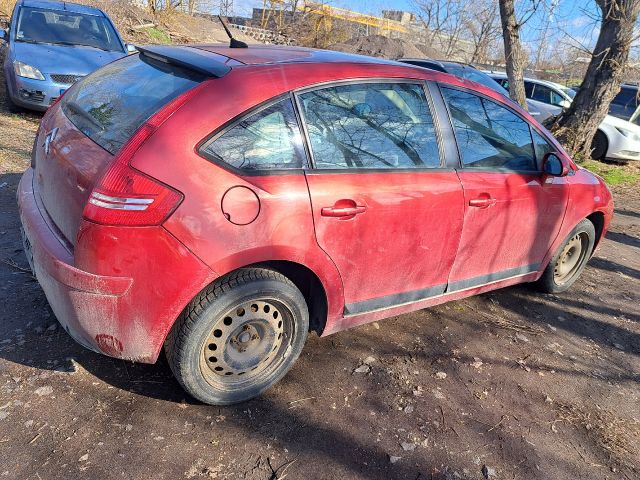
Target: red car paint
(413, 234)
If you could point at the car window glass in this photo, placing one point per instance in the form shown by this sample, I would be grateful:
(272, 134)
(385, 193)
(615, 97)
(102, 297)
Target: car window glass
(528, 89)
(268, 139)
(110, 104)
(542, 147)
(488, 134)
(541, 94)
(370, 125)
(61, 27)
(557, 99)
(626, 97)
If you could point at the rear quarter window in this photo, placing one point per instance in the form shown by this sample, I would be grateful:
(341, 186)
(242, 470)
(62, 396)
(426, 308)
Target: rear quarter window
(112, 103)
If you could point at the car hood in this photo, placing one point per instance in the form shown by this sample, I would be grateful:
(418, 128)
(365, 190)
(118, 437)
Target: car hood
(63, 59)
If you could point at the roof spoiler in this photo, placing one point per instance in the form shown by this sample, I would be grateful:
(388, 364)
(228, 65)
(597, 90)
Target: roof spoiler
(186, 57)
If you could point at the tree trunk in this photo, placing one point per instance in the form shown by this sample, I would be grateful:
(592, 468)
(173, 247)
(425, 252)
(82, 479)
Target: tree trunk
(576, 126)
(513, 52)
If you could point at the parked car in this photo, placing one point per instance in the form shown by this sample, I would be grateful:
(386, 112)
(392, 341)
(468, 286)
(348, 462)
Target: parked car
(615, 139)
(463, 70)
(223, 202)
(51, 44)
(626, 102)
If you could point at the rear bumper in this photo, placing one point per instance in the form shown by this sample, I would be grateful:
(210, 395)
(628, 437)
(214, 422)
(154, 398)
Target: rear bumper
(120, 316)
(79, 299)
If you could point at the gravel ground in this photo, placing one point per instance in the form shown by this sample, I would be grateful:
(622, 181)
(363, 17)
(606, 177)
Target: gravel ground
(511, 384)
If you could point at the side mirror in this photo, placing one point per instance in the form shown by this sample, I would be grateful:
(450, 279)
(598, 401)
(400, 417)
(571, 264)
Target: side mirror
(131, 48)
(555, 166)
(4, 34)
(565, 103)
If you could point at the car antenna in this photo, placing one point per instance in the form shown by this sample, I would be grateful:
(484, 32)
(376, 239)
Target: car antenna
(233, 43)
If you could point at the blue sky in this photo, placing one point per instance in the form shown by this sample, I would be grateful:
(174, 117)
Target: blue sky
(573, 17)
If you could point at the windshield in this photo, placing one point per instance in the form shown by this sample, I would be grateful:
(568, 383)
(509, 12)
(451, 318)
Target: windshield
(569, 91)
(477, 76)
(37, 25)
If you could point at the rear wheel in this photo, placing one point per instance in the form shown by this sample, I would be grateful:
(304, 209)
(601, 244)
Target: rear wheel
(567, 264)
(599, 146)
(238, 337)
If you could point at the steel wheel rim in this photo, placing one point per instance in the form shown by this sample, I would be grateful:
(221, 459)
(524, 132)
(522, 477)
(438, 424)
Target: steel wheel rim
(571, 258)
(247, 342)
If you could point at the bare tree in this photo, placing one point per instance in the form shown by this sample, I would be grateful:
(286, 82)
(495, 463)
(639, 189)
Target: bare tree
(443, 22)
(603, 77)
(483, 28)
(515, 57)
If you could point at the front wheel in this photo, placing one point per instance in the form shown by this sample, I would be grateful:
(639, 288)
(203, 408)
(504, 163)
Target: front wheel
(570, 259)
(238, 337)
(599, 146)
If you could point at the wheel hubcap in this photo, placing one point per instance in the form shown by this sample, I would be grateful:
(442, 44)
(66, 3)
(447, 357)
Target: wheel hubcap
(571, 258)
(245, 340)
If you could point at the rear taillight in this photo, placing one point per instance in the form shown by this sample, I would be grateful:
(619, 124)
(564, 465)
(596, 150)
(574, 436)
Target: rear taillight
(126, 196)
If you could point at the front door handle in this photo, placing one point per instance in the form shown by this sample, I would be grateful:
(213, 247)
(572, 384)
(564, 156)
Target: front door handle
(342, 211)
(482, 202)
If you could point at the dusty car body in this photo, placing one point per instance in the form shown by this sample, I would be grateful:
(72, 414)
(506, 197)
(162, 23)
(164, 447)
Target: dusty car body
(340, 183)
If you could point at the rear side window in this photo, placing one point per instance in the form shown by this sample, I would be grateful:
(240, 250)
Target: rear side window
(488, 134)
(267, 140)
(371, 125)
(111, 104)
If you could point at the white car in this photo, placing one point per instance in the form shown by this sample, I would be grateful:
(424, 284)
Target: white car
(616, 139)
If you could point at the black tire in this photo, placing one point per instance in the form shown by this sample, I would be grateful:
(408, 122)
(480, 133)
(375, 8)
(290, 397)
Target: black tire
(599, 146)
(562, 272)
(238, 337)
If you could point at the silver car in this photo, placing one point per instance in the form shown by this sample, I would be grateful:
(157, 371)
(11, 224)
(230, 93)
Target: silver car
(49, 45)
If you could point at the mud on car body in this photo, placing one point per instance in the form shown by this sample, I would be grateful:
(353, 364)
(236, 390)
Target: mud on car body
(221, 203)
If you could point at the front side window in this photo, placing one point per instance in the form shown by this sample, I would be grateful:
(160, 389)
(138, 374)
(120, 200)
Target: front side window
(542, 147)
(488, 134)
(371, 126)
(62, 27)
(267, 140)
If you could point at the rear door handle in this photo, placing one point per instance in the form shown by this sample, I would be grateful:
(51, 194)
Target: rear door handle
(482, 202)
(342, 211)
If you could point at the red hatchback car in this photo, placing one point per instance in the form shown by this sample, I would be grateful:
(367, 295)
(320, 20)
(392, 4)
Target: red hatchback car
(223, 202)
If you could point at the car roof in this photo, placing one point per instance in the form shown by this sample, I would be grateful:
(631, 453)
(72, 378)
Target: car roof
(442, 63)
(63, 6)
(278, 54)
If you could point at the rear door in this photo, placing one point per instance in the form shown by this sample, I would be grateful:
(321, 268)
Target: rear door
(386, 210)
(513, 211)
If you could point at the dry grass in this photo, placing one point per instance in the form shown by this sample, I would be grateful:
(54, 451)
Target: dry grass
(617, 438)
(6, 7)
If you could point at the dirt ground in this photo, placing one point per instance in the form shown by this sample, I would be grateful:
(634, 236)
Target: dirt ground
(511, 384)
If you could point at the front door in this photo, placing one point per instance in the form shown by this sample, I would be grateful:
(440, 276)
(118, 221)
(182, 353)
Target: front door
(513, 211)
(385, 210)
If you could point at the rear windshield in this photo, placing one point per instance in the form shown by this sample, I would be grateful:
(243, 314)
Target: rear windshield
(61, 27)
(110, 104)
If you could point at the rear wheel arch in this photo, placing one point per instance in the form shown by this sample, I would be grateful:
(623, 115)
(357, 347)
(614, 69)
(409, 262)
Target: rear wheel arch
(309, 284)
